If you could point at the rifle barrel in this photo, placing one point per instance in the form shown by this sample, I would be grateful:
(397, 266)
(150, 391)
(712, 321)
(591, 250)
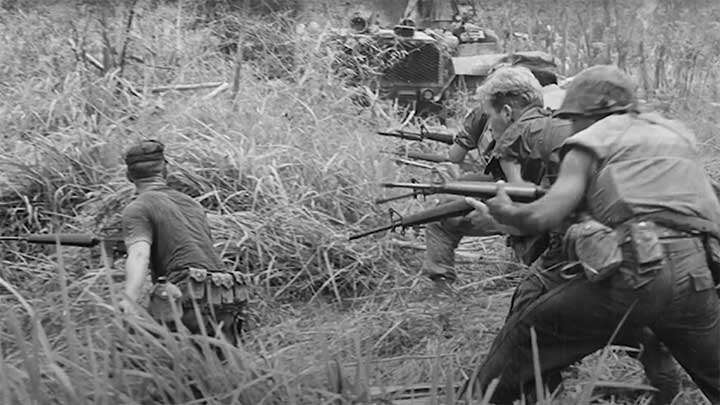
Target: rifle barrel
(372, 231)
(412, 163)
(428, 157)
(445, 138)
(400, 134)
(68, 239)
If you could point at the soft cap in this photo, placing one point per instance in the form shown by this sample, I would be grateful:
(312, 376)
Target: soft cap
(146, 151)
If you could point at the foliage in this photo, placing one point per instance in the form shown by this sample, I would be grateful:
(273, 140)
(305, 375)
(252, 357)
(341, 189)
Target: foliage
(282, 160)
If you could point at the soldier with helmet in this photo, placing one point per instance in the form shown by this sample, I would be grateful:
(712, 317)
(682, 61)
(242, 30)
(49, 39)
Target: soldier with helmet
(646, 247)
(166, 231)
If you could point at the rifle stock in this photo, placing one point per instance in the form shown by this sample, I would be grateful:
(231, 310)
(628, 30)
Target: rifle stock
(440, 212)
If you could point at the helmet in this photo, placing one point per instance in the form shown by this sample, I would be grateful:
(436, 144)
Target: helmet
(598, 90)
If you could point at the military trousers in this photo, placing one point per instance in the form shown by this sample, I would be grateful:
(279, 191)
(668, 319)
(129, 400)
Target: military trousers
(443, 237)
(674, 299)
(660, 369)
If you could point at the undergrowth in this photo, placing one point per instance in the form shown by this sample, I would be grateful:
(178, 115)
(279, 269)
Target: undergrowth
(284, 160)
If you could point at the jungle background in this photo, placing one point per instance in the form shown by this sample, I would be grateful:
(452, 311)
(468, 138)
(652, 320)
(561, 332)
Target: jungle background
(269, 138)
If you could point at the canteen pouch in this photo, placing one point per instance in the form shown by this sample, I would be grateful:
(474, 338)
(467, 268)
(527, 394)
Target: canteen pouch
(646, 244)
(197, 279)
(596, 247)
(161, 296)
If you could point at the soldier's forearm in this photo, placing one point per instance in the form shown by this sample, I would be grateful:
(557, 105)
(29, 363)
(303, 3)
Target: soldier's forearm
(457, 153)
(136, 268)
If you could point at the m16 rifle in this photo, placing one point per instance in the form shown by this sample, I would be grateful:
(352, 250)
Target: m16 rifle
(422, 156)
(423, 134)
(477, 189)
(113, 244)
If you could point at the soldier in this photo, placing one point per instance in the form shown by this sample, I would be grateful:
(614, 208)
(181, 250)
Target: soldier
(167, 231)
(442, 238)
(644, 250)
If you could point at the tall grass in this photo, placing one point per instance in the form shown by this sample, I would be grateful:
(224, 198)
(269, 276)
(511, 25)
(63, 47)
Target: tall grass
(284, 161)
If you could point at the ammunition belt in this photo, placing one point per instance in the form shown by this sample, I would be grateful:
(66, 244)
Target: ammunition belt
(214, 287)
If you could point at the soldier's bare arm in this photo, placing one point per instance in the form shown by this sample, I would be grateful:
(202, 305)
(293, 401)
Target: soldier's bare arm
(512, 171)
(560, 201)
(457, 153)
(136, 268)
(138, 239)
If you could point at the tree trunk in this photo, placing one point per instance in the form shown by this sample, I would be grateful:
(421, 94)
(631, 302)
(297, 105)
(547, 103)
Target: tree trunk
(643, 68)
(660, 67)
(606, 36)
(563, 51)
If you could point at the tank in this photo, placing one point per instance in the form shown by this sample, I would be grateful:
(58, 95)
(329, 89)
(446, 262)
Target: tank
(421, 65)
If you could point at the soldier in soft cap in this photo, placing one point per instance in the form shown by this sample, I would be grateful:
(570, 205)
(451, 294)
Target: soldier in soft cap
(648, 248)
(167, 232)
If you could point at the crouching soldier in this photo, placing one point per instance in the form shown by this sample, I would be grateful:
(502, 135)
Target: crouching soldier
(540, 94)
(167, 232)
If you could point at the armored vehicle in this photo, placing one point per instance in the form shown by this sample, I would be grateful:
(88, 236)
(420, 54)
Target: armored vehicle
(424, 67)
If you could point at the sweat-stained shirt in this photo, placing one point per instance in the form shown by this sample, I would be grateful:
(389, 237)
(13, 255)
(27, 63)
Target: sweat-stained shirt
(176, 227)
(532, 141)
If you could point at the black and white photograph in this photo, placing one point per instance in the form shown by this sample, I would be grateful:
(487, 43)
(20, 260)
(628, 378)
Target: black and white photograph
(339, 202)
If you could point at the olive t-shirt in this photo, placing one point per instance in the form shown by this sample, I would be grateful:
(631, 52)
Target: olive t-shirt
(176, 227)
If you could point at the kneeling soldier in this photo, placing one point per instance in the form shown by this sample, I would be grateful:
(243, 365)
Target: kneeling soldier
(167, 231)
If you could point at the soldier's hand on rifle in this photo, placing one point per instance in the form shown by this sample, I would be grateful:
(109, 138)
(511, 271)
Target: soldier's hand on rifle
(500, 204)
(497, 208)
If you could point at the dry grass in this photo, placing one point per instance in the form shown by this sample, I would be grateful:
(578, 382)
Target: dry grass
(286, 168)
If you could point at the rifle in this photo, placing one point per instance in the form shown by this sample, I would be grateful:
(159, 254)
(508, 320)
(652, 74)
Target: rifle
(447, 210)
(113, 244)
(421, 135)
(427, 157)
(478, 189)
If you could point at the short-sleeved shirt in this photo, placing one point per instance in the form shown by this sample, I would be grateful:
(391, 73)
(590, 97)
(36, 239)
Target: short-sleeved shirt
(532, 141)
(176, 227)
(471, 134)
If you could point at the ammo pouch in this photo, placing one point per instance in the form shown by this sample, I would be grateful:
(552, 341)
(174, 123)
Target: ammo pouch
(712, 248)
(163, 297)
(595, 247)
(528, 248)
(600, 248)
(215, 288)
